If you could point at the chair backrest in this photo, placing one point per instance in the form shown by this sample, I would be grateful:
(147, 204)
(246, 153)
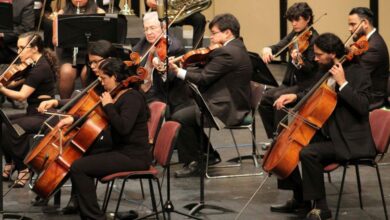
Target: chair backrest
(157, 112)
(380, 129)
(257, 91)
(165, 141)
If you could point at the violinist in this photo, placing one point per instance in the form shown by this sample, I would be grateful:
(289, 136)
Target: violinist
(38, 85)
(376, 59)
(127, 113)
(164, 87)
(225, 84)
(300, 70)
(345, 135)
(196, 20)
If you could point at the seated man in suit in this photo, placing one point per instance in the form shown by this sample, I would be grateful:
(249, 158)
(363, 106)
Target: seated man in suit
(225, 85)
(376, 59)
(345, 135)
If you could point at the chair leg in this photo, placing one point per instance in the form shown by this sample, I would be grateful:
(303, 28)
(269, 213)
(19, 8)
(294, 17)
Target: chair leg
(381, 189)
(161, 198)
(359, 185)
(329, 178)
(341, 192)
(235, 145)
(119, 199)
(142, 188)
(255, 151)
(105, 199)
(153, 198)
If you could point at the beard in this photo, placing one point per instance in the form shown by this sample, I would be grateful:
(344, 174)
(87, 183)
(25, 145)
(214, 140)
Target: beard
(324, 67)
(359, 34)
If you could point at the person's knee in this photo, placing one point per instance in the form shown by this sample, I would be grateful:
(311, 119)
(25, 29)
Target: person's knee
(67, 72)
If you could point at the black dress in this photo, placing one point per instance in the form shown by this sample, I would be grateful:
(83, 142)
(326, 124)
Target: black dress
(131, 151)
(42, 78)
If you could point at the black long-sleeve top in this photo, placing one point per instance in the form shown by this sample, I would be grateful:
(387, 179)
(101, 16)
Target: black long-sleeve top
(128, 123)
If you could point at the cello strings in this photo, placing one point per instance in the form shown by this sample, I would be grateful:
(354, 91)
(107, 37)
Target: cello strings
(303, 119)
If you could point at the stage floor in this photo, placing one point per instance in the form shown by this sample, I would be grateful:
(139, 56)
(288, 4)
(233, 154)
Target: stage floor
(230, 193)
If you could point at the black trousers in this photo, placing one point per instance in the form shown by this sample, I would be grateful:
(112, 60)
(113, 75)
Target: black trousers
(188, 140)
(84, 170)
(198, 23)
(269, 115)
(15, 147)
(313, 159)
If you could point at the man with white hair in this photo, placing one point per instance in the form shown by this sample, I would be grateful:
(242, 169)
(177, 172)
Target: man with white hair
(164, 87)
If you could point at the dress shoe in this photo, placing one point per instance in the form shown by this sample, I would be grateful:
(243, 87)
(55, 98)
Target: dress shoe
(318, 214)
(192, 169)
(130, 215)
(292, 206)
(72, 207)
(214, 158)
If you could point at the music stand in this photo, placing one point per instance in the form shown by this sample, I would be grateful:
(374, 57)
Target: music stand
(261, 73)
(205, 115)
(6, 17)
(16, 130)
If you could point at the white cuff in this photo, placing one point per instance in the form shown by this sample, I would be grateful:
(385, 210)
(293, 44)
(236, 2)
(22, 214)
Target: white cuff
(342, 86)
(181, 74)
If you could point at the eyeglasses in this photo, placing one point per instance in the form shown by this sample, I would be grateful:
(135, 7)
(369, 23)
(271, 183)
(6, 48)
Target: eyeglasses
(22, 48)
(214, 33)
(151, 28)
(95, 62)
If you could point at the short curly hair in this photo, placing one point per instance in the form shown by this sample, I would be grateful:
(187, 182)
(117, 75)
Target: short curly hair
(300, 9)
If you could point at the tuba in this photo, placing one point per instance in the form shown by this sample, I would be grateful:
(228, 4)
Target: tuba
(193, 6)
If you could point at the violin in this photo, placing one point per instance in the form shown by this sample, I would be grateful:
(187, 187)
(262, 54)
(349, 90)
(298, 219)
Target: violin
(15, 72)
(197, 56)
(358, 47)
(301, 44)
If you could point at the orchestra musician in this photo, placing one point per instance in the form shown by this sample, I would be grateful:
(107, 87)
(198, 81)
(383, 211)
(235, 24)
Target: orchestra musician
(376, 59)
(165, 87)
(225, 85)
(196, 20)
(97, 52)
(297, 76)
(69, 70)
(127, 113)
(345, 135)
(38, 85)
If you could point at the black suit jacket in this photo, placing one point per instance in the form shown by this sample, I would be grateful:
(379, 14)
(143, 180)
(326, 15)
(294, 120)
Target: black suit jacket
(23, 18)
(348, 127)
(376, 61)
(225, 82)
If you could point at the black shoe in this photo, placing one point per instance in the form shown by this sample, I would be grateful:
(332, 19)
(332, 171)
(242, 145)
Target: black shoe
(214, 158)
(192, 169)
(72, 207)
(38, 201)
(130, 215)
(319, 214)
(292, 206)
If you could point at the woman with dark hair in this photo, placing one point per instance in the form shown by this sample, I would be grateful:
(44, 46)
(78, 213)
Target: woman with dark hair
(72, 60)
(38, 85)
(127, 114)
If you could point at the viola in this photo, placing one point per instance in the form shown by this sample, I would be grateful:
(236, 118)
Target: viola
(197, 56)
(15, 72)
(309, 115)
(301, 44)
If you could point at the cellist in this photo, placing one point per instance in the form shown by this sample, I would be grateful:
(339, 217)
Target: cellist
(127, 113)
(345, 135)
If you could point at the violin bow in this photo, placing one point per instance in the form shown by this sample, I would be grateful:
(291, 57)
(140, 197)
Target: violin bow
(354, 33)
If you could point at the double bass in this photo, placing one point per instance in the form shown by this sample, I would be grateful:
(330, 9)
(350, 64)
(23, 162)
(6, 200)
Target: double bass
(52, 158)
(309, 115)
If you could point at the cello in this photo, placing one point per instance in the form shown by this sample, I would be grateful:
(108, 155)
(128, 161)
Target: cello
(56, 152)
(309, 115)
